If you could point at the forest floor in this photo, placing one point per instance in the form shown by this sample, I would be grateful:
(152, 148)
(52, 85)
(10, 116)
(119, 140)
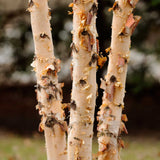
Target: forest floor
(17, 147)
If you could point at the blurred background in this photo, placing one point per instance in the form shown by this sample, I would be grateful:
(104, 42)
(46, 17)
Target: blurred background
(19, 119)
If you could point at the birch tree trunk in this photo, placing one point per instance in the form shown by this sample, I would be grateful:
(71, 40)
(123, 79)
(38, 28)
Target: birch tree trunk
(49, 94)
(84, 50)
(110, 114)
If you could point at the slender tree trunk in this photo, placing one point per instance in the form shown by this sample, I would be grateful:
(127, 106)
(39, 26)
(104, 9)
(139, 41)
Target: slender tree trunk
(110, 114)
(48, 89)
(84, 49)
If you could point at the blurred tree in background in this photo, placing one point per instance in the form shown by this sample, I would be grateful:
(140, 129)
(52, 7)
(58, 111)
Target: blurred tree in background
(16, 45)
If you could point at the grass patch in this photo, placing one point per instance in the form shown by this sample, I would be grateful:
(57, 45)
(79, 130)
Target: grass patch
(14, 147)
(141, 148)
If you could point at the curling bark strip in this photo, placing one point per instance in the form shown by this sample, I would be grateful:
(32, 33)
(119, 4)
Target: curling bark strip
(49, 94)
(110, 125)
(84, 50)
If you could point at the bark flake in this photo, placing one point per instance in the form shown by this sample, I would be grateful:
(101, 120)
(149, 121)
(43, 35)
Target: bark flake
(132, 2)
(49, 97)
(115, 7)
(94, 59)
(73, 47)
(124, 118)
(93, 9)
(31, 3)
(87, 40)
(101, 61)
(39, 87)
(82, 82)
(52, 120)
(113, 79)
(120, 143)
(41, 127)
(73, 105)
(44, 35)
(39, 106)
(108, 50)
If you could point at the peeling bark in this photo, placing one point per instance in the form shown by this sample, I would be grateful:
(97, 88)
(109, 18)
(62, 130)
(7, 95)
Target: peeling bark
(84, 49)
(110, 114)
(49, 93)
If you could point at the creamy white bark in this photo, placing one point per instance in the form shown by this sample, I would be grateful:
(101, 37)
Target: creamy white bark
(84, 86)
(110, 125)
(49, 94)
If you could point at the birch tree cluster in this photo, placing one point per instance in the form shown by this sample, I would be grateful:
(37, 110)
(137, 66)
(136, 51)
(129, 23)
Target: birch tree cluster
(85, 62)
(73, 140)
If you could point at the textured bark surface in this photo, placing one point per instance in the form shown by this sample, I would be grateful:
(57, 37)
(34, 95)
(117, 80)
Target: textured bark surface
(110, 125)
(48, 89)
(84, 50)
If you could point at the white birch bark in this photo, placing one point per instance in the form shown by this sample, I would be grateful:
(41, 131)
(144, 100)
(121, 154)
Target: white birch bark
(84, 50)
(110, 114)
(48, 89)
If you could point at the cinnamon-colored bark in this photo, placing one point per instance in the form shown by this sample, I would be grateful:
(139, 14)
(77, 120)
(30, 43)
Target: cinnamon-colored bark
(110, 124)
(84, 50)
(48, 89)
